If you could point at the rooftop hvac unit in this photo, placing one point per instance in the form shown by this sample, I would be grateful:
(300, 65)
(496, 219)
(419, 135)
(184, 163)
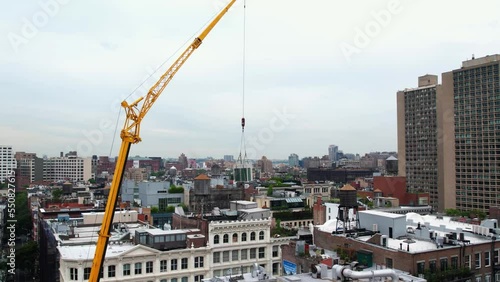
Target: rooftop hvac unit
(375, 227)
(319, 271)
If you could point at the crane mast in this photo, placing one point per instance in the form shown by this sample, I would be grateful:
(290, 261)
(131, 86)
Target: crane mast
(135, 113)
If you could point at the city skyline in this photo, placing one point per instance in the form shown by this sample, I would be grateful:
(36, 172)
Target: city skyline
(67, 78)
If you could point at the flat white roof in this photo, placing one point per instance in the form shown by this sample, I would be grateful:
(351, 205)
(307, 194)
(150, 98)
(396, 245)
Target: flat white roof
(383, 214)
(87, 251)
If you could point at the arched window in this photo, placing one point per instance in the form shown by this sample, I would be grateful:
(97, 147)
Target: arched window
(261, 235)
(225, 239)
(244, 237)
(235, 238)
(216, 239)
(252, 236)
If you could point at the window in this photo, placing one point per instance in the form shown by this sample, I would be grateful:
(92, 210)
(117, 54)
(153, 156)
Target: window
(172, 280)
(252, 236)
(86, 273)
(216, 239)
(432, 265)
(486, 259)
(487, 278)
(173, 264)
(138, 268)
(126, 269)
(184, 279)
(388, 262)
(477, 260)
(163, 265)
(198, 262)
(420, 267)
(111, 271)
(261, 235)
(244, 237)
(216, 258)
(262, 252)
(73, 273)
(225, 256)
(253, 253)
(225, 238)
(275, 251)
(235, 238)
(495, 261)
(164, 280)
(198, 278)
(454, 262)
(443, 263)
(149, 267)
(184, 263)
(244, 254)
(467, 261)
(234, 255)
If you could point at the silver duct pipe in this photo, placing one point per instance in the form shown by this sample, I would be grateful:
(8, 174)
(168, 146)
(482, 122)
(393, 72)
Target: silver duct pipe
(342, 271)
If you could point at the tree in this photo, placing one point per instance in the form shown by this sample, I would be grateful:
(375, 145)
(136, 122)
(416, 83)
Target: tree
(184, 207)
(92, 181)
(270, 190)
(26, 255)
(154, 210)
(56, 194)
(170, 209)
(175, 190)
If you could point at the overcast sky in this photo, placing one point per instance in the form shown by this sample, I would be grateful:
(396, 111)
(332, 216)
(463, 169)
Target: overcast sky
(318, 72)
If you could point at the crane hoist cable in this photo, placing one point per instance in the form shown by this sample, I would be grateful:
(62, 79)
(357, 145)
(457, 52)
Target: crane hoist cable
(242, 160)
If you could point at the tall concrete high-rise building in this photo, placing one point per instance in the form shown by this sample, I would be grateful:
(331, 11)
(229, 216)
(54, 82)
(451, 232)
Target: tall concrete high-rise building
(333, 152)
(449, 136)
(293, 160)
(7, 162)
(422, 144)
(475, 109)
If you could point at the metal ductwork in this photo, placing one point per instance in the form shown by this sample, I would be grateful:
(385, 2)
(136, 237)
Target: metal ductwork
(344, 271)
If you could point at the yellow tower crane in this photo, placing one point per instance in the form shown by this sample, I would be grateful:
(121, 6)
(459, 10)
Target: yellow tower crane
(135, 113)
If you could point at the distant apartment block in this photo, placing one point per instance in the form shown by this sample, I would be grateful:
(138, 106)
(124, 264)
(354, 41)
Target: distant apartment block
(293, 160)
(418, 134)
(333, 151)
(228, 158)
(67, 168)
(7, 162)
(29, 168)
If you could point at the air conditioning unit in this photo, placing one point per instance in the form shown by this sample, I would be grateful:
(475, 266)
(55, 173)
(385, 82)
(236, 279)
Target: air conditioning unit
(375, 227)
